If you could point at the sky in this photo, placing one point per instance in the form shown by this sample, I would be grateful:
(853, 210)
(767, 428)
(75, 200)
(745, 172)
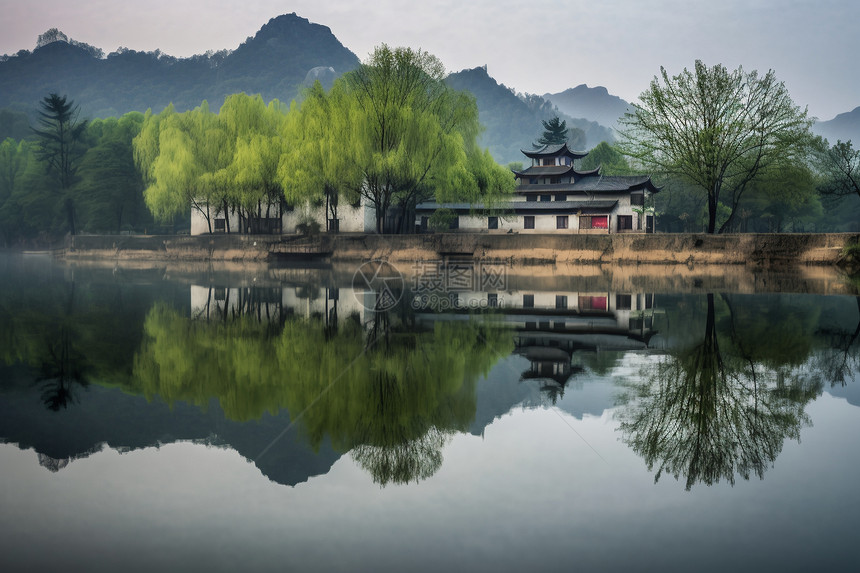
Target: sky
(534, 47)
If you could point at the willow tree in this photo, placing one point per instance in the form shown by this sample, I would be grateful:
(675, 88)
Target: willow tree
(314, 168)
(178, 155)
(255, 135)
(410, 129)
(716, 129)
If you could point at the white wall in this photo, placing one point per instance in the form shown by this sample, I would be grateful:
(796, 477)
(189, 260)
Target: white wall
(352, 220)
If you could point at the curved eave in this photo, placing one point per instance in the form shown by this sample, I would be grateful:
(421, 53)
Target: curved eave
(553, 151)
(547, 171)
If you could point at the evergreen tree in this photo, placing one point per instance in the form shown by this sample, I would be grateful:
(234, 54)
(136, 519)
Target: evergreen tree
(555, 132)
(59, 138)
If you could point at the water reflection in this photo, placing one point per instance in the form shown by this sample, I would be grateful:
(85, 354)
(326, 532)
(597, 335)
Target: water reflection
(726, 382)
(367, 382)
(724, 403)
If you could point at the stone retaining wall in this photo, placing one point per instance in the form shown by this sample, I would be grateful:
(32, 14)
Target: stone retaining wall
(688, 249)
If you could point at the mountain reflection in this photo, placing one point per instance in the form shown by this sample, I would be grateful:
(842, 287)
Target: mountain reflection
(723, 405)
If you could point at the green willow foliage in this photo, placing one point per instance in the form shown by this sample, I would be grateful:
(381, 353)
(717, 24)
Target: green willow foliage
(391, 131)
(347, 388)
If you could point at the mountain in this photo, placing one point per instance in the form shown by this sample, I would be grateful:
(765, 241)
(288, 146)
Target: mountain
(273, 63)
(513, 122)
(844, 127)
(284, 54)
(595, 104)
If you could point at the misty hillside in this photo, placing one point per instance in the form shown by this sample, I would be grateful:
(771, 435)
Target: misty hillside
(513, 122)
(285, 53)
(273, 63)
(844, 127)
(595, 104)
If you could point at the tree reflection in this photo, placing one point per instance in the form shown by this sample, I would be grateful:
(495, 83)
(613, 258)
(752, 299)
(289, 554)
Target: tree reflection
(62, 371)
(386, 392)
(724, 406)
(840, 359)
(43, 330)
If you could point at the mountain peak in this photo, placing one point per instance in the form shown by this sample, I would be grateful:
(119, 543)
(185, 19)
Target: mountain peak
(596, 104)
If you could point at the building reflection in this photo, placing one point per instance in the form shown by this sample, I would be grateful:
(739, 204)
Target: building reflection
(551, 328)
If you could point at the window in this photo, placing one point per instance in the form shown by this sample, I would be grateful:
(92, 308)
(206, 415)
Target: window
(528, 301)
(549, 160)
(561, 301)
(455, 223)
(531, 197)
(561, 222)
(637, 199)
(528, 222)
(220, 225)
(623, 302)
(593, 222)
(492, 222)
(533, 180)
(555, 180)
(625, 222)
(561, 197)
(592, 303)
(546, 197)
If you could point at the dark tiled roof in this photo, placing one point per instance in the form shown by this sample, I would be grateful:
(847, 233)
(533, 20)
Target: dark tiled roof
(615, 184)
(554, 150)
(531, 207)
(544, 170)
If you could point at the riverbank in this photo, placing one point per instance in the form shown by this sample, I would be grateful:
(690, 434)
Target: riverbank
(757, 250)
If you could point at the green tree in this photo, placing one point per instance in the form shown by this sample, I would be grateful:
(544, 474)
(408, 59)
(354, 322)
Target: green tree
(841, 169)
(255, 136)
(784, 199)
(110, 190)
(29, 211)
(179, 156)
(717, 129)
(606, 156)
(59, 135)
(409, 129)
(555, 132)
(14, 157)
(314, 167)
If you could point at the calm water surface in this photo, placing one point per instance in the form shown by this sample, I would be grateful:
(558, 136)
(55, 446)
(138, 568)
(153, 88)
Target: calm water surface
(427, 418)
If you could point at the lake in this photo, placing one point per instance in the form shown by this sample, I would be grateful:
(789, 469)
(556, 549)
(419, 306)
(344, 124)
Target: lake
(444, 415)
